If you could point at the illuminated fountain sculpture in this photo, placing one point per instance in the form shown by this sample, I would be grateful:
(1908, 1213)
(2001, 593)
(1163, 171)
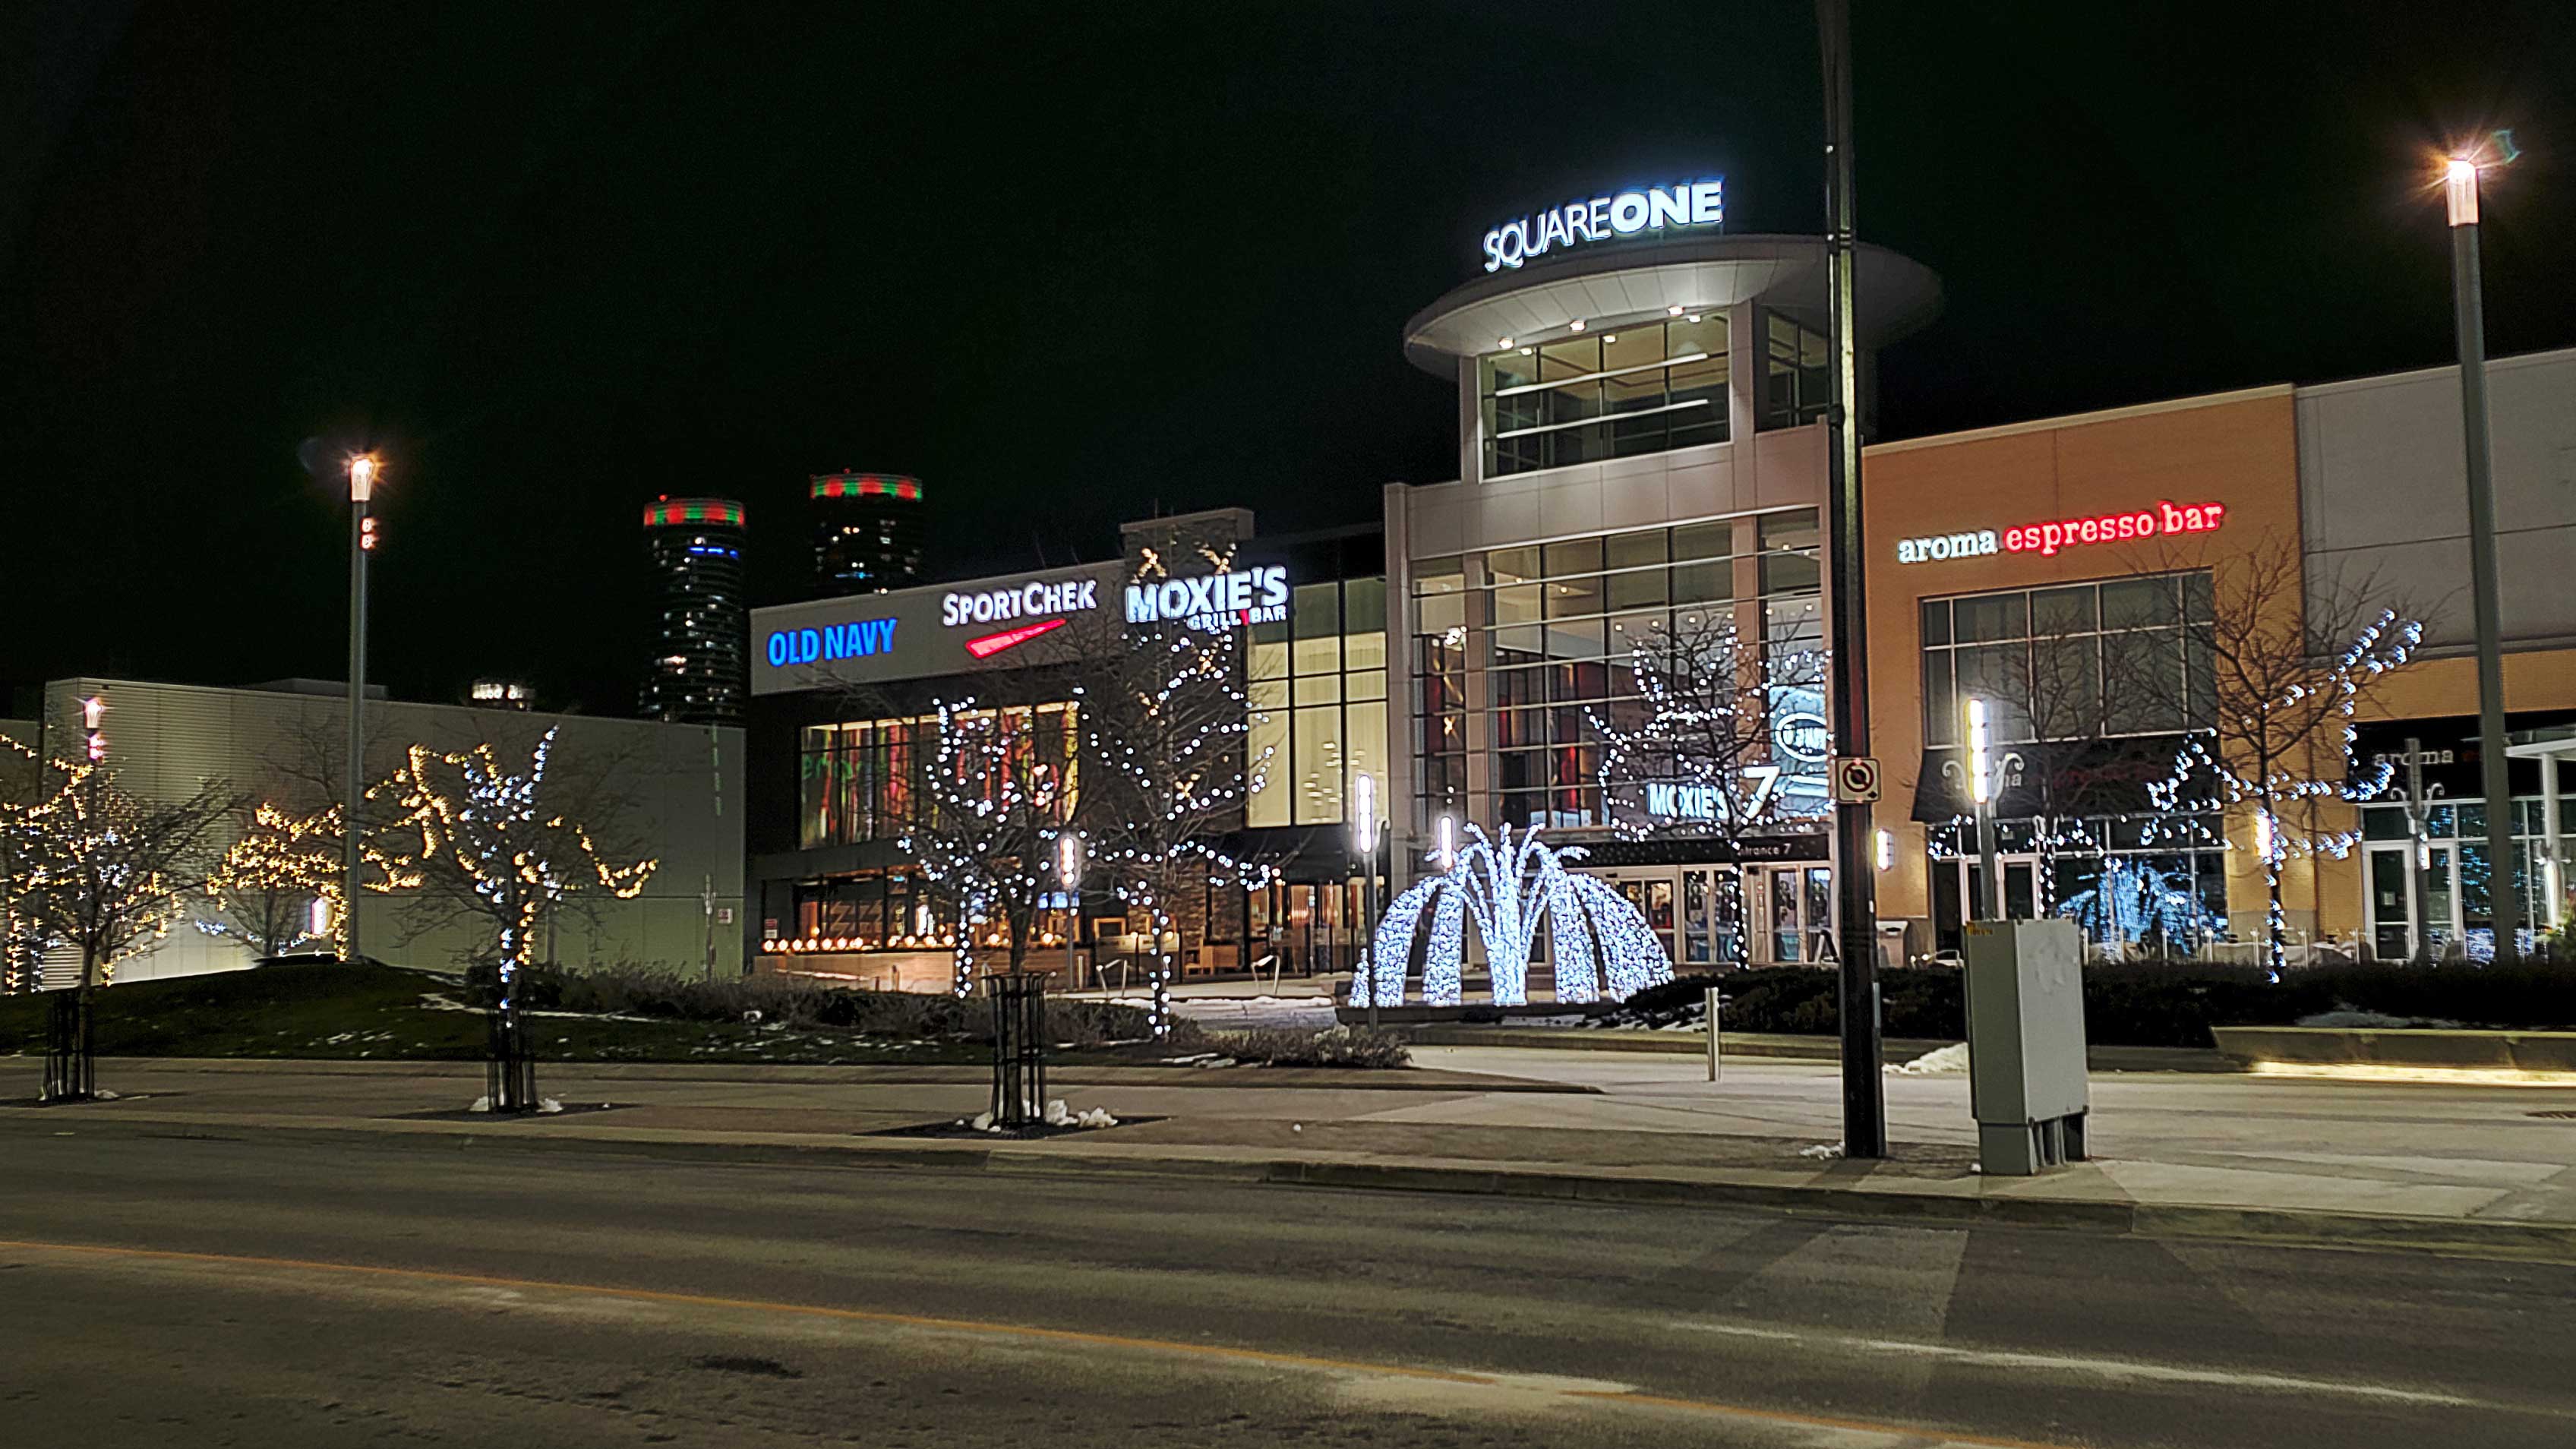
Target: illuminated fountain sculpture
(1599, 940)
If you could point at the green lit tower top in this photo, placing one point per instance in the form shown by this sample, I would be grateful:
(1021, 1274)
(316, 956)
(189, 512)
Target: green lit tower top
(698, 673)
(867, 532)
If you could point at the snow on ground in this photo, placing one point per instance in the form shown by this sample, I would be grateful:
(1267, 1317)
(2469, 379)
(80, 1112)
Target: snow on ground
(1948, 1061)
(1294, 1013)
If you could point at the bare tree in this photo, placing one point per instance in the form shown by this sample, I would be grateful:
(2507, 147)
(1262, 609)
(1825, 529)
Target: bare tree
(2289, 656)
(105, 869)
(1167, 761)
(22, 788)
(996, 796)
(263, 889)
(470, 839)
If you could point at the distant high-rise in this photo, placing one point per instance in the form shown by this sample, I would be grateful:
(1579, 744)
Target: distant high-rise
(698, 674)
(867, 532)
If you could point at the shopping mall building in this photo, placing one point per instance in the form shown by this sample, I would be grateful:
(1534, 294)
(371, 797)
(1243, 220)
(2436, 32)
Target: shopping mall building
(845, 690)
(1642, 480)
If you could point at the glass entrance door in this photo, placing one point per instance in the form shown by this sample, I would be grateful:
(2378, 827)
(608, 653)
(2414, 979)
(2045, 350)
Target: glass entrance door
(2021, 886)
(2392, 897)
(1958, 894)
(1793, 909)
(1711, 924)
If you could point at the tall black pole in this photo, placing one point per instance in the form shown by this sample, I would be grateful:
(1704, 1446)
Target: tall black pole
(362, 486)
(1855, 863)
(2468, 304)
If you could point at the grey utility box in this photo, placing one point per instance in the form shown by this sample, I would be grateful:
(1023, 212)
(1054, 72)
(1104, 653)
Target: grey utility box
(2026, 1079)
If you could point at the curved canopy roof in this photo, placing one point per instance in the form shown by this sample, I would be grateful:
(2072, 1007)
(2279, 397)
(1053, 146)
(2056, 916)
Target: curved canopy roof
(1897, 295)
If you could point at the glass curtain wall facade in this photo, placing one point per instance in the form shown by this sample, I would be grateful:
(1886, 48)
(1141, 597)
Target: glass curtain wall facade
(861, 780)
(2099, 681)
(1796, 376)
(1551, 629)
(1642, 387)
(1316, 686)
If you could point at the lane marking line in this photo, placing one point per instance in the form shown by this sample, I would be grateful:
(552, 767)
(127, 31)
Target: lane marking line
(1896, 1433)
(2110, 1368)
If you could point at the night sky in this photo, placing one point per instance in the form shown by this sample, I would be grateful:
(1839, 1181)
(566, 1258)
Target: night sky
(1070, 264)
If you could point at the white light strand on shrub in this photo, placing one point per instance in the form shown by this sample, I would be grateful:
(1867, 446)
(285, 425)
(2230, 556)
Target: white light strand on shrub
(1391, 949)
(1506, 890)
(1570, 937)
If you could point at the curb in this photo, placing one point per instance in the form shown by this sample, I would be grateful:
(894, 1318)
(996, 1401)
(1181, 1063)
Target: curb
(1772, 1046)
(2553, 1242)
(1250, 1078)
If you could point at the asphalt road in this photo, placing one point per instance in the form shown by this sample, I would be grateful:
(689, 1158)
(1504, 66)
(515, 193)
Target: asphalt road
(170, 1291)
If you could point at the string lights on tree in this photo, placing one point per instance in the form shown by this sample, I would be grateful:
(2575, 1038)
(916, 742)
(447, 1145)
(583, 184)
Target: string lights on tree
(2283, 741)
(1166, 727)
(100, 870)
(984, 825)
(1701, 751)
(474, 838)
(278, 885)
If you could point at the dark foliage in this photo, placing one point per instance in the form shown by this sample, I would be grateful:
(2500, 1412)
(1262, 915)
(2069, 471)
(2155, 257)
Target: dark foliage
(2142, 1003)
(909, 1015)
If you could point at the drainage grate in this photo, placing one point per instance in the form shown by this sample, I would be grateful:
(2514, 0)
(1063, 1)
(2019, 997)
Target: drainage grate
(2561, 1113)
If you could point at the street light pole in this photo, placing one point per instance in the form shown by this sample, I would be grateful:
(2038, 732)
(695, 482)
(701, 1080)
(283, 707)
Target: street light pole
(1364, 841)
(2468, 304)
(1855, 884)
(362, 490)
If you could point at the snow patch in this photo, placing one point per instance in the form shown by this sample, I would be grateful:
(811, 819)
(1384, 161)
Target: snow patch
(1948, 1061)
(1823, 1151)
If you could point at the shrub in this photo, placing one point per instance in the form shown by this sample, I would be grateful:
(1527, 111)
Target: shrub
(2145, 1003)
(907, 1014)
(1340, 1046)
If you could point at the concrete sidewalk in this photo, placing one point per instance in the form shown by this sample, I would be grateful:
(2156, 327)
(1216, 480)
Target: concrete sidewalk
(2450, 1168)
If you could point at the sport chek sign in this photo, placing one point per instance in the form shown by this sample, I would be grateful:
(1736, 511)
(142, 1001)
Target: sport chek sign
(2048, 538)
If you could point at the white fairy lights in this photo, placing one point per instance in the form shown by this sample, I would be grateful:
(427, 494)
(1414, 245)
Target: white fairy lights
(1508, 889)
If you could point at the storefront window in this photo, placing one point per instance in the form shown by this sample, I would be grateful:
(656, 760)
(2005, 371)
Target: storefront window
(1645, 387)
(2118, 658)
(859, 780)
(1317, 688)
(1796, 376)
(1564, 622)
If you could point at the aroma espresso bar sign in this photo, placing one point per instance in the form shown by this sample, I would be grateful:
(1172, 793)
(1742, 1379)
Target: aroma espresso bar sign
(2049, 538)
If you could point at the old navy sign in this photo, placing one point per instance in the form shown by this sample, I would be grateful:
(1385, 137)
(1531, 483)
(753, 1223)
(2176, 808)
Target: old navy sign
(832, 641)
(1212, 603)
(1606, 218)
(2047, 539)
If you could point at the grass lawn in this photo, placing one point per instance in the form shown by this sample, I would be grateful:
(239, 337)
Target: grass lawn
(386, 1013)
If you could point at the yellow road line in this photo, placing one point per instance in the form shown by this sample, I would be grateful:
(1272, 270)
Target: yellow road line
(1271, 1357)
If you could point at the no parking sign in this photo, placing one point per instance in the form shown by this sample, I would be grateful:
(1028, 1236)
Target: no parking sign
(1856, 780)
